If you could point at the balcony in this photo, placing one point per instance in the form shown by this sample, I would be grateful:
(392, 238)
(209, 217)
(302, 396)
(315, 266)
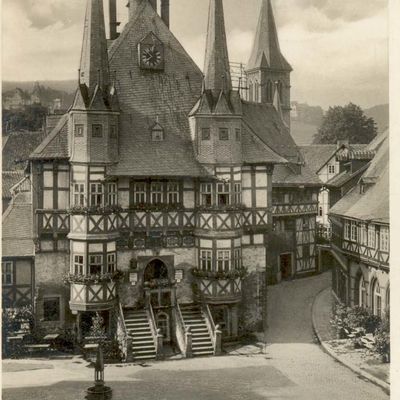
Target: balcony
(218, 288)
(286, 209)
(92, 293)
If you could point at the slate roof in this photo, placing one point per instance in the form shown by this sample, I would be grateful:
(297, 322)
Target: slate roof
(17, 223)
(373, 204)
(9, 179)
(17, 147)
(342, 178)
(55, 145)
(146, 97)
(284, 175)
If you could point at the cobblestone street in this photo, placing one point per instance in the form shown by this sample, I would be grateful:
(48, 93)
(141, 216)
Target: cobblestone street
(294, 367)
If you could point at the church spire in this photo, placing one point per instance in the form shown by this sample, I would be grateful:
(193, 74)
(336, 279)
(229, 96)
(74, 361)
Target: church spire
(266, 51)
(94, 69)
(216, 67)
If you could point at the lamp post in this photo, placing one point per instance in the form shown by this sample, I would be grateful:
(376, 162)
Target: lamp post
(99, 391)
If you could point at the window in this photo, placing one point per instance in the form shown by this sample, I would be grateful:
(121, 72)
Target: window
(320, 212)
(51, 309)
(206, 194)
(270, 92)
(139, 192)
(238, 193)
(223, 190)
(223, 260)
(206, 260)
(237, 258)
(111, 262)
(156, 192)
(223, 134)
(347, 230)
(384, 239)
(377, 299)
(78, 264)
(113, 131)
(7, 273)
(371, 236)
(95, 264)
(112, 194)
(362, 292)
(173, 192)
(205, 134)
(238, 134)
(78, 131)
(79, 194)
(354, 231)
(97, 130)
(96, 194)
(256, 91)
(331, 169)
(280, 90)
(363, 235)
(157, 134)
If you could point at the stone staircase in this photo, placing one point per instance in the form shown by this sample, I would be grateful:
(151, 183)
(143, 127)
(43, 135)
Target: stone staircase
(193, 317)
(138, 327)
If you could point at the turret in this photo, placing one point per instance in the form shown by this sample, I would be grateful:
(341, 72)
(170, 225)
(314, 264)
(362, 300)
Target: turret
(94, 113)
(216, 118)
(267, 68)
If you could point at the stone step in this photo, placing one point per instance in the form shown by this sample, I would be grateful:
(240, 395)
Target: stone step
(137, 352)
(143, 342)
(141, 336)
(202, 353)
(149, 357)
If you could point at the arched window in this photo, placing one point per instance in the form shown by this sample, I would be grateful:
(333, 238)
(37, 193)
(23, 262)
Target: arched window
(376, 298)
(360, 292)
(270, 91)
(280, 90)
(256, 91)
(251, 91)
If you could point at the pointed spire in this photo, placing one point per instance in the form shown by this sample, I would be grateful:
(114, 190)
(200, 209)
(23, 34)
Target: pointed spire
(266, 51)
(94, 68)
(216, 67)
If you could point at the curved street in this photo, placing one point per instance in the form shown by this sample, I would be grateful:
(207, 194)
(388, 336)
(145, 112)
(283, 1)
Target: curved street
(294, 366)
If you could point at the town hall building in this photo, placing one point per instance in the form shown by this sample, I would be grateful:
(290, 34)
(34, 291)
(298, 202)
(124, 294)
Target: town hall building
(165, 200)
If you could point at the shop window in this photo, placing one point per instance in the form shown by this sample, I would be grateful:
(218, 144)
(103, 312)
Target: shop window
(206, 260)
(95, 264)
(97, 130)
(78, 264)
(51, 309)
(96, 194)
(173, 192)
(139, 192)
(205, 134)
(223, 194)
(223, 134)
(223, 260)
(112, 194)
(206, 194)
(7, 272)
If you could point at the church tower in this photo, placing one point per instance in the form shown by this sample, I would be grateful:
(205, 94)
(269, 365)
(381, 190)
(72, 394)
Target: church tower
(267, 68)
(216, 118)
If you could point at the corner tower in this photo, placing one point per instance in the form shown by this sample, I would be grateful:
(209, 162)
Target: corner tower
(267, 68)
(94, 113)
(216, 118)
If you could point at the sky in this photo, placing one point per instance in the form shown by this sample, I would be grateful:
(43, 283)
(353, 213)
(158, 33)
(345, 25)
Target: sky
(337, 48)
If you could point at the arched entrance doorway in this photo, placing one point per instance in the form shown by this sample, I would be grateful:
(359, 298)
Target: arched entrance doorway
(159, 292)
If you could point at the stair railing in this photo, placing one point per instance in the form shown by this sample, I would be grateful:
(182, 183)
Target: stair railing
(156, 333)
(215, 330)
(183, 335)
(124, 341)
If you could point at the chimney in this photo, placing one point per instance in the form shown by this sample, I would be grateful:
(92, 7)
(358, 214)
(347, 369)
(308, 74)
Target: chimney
(165, 11)
(113, 19)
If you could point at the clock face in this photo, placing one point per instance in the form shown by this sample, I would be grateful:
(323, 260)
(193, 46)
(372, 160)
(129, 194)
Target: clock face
(151, 56)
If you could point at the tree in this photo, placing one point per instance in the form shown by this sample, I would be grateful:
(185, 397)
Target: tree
(346, 123)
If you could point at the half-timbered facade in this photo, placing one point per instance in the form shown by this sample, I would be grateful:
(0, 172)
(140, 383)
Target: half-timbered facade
(360, 236)
(163, 200)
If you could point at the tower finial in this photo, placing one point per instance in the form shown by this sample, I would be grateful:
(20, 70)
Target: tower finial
(216, 67)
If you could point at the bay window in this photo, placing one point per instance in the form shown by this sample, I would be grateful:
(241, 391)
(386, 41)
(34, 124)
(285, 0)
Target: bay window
(206, 260)
(223, 194)
(223, 260)
(111, 262)
(96, 194)
(206, 194)
(78, 264)
(95, 264)
(237, 258)
(79, 194)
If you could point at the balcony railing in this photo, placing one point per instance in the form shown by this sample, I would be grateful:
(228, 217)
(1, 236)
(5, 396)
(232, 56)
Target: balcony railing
(290, 209)
(52, 222)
